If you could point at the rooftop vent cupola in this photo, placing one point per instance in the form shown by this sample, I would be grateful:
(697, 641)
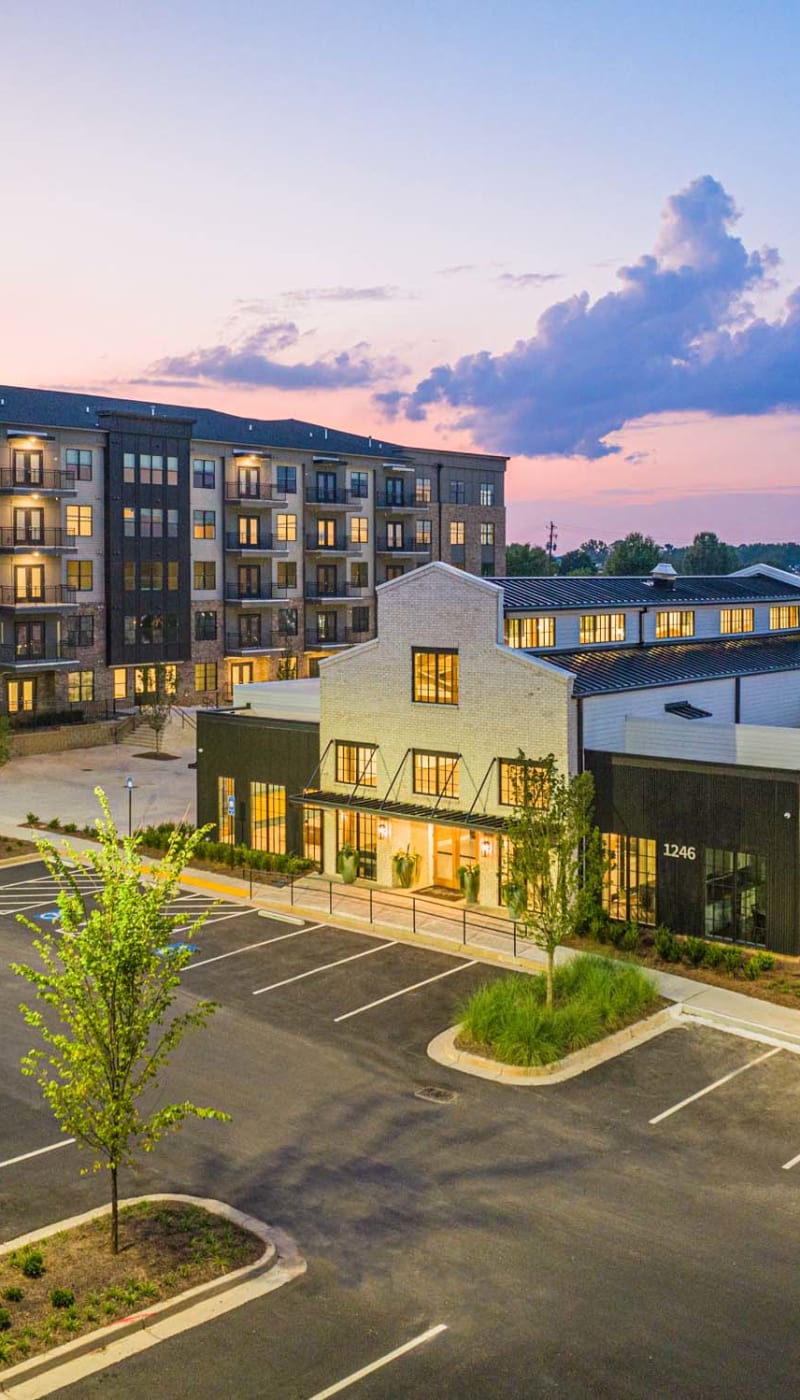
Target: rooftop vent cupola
(663, 576)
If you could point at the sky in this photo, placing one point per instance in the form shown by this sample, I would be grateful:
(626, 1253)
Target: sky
(567, 231)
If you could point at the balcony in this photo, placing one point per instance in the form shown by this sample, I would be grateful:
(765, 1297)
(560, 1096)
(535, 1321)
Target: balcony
(53, 596)
(236, 645)
(384, 501)
(313, 639)
(383, 545)
(42, 483)
(27, 541)
(48, 652)
(264, 544)
(340, 544)
(316, 497)
(264, 494)
(327, 593)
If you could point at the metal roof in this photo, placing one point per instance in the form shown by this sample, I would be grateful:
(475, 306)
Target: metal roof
(611, 669)
(544, 593)
(412, 811)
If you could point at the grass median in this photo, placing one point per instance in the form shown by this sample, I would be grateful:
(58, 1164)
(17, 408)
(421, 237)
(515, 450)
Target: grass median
(507, 1020)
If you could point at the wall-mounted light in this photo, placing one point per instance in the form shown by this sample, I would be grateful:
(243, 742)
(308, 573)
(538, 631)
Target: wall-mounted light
(486, 845)
(384, 828)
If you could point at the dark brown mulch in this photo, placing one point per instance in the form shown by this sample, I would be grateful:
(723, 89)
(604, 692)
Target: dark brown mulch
(10, 847)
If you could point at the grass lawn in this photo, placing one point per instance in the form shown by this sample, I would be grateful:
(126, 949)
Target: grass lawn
(69, 1284)
(507, 1019)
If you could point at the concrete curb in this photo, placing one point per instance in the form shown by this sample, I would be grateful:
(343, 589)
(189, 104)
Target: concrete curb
(738, 1025)
(20, 1380)
(443, 1050)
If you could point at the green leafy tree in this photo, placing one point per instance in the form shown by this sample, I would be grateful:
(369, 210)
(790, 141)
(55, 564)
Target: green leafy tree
(597, 550)
(287, 663)
(528, 560)
(5, 740)
(709, 555)
(156, 707)
(551, 822)
(577, 561)
(108, 979)
(636, 554)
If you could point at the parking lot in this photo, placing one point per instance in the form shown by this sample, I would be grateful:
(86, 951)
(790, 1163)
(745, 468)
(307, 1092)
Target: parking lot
(628, 1233)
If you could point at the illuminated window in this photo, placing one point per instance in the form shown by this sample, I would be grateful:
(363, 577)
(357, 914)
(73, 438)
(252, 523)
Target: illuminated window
(312, 834)
(487, 532)
(457, 531)
(436, 774)
(736, 620)
(21, 697)
(80, 686)
(782, 618)
(422, 491)
(172, 575)
(356, 764)
(395, 534)
(128, 522)
(120, 683)
(80, 574)
(629, 884)
(79, 520)
(286, 527)
(268, 817)
(151, 576)
(326, 533)
(205, 675)
(422, 537)
(204, 524)
(359, 830)
(674, 624)
(435, 676)
(359, 529)
(226, 819)
(530, 632)
(602, 627)
(523, 783)
(204, 574)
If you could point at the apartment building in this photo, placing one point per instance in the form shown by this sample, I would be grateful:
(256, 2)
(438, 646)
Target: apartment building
(227, 550)
(681, 696)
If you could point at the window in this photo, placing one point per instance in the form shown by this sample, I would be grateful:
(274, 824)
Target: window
(602, 627)
(79, 463)
(286, 527)
(286, 575)
(205, 626)
(394, 571)
(326, 626)
(226, 809)
(736, 620)
(146, 681)
(422, 491)
(268, 817)
(249, 482)
(129, 466)
(248, 533)
(172, 471)
(249, 630)
(286, 481)
(151, 576)
(241, 672)
(359, 575)
(287, 622)
(21, 697)
(487, 493)
(79, 520)
(436, 774)
(204, 574)
(172, 524)
(359, 529)
(80, 631)
(422, 534)
(312, 834)
(28, 525)
(394, 534)
(204, 524)
(205, 675)
(458, 493)
(394, 491)
(80, 574)
(128, 522)
(80, 686)
(674, 624)
(487, 532)
(28, 468)
(530, 632)
(735, 896)
(204, 473)
(130, 629)
(356, 764)
(360, 830)
(151, 522)
(120, 683)
(359, 486)
(629, 884)
(29, 641)
(173, 571)
(28, 583)
(435, 676)
(360, 620)
(129, 575)
(457, 529)
(151, 629)
(326, 533)
(782, 618)
(522, 781)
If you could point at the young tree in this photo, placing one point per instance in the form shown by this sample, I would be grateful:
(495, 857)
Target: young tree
(109, 978)
(636, 554)
(551, 821)
(156, 708)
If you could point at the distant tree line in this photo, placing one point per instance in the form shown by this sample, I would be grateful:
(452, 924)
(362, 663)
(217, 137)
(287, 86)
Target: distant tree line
(638, 554)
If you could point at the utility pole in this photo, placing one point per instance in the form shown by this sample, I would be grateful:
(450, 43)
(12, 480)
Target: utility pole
(552, 539)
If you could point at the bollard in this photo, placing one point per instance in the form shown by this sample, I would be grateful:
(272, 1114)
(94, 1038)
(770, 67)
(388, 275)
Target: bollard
(464, 924)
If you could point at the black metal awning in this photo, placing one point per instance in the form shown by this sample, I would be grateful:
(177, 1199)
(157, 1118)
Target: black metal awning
(408, 811)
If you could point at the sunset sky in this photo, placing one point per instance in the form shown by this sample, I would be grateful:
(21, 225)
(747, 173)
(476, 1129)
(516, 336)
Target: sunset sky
(566, 230)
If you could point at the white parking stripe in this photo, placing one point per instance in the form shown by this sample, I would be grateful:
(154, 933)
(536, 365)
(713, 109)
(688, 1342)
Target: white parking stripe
(403, 991)
(717, 1082)
(382, 1361)
(787, 1166)
(220, 919)
(250, 946)
(26, 1156)
(326, 968)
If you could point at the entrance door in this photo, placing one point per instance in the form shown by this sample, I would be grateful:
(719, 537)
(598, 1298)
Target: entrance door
(735, 896)
(249, 581)
(249, 482)
(326, 486)
(452, 847)
(326, 581)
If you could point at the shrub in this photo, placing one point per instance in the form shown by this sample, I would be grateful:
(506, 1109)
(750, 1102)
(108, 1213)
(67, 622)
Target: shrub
(758, 963)
(666, 944)
(631, 937)
(70, 826)
(694, 951)
(5, 1319)
(32, 1263)
(62, 1297)
(14, 1294)
(32, 819)
(54, 824)
(714, 955)
(733, 960)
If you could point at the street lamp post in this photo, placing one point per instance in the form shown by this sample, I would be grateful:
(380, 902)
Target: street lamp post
(129, 786)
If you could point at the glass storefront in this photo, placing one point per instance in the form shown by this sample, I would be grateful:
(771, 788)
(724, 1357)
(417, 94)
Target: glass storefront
(359, 830)
(629, 886)
(735, 896)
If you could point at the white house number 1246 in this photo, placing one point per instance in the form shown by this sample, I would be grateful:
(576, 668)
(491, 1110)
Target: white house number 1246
(671, 848)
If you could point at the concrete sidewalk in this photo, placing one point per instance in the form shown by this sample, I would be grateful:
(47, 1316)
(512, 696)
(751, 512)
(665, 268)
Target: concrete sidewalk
(340, 906)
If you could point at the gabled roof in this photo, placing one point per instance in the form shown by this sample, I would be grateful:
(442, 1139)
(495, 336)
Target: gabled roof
(52, 408)
(552, 594)
(606, 670)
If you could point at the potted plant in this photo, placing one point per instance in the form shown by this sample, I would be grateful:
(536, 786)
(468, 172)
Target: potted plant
(469, 880)
(515, 898)
(347, 863)
(404, 864)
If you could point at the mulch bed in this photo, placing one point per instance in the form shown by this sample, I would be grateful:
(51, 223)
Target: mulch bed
(165, 1248)
(9, 847)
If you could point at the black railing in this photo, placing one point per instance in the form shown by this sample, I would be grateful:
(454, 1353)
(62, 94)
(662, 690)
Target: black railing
(313, 639)
(49, 537)
(82, 712)
(53, 593)
(264, 492)
(236, 642)
(315, 497)
(248, 593)
(32, 653)
(28, 482)
(320, 591)
(389, 501)
(407, 544)
(336, 543)
(263, 541)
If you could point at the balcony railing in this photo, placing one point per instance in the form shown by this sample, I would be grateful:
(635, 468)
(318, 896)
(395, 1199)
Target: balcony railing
(389, 501)
(340, 544)
(264, 542)
(407, 545)
(313, 639)
(263, 494)
(317, 497)
(56, 593)
(236, 643)
(30, 483)
(325, 592)
(36, 653)
(49, 537)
